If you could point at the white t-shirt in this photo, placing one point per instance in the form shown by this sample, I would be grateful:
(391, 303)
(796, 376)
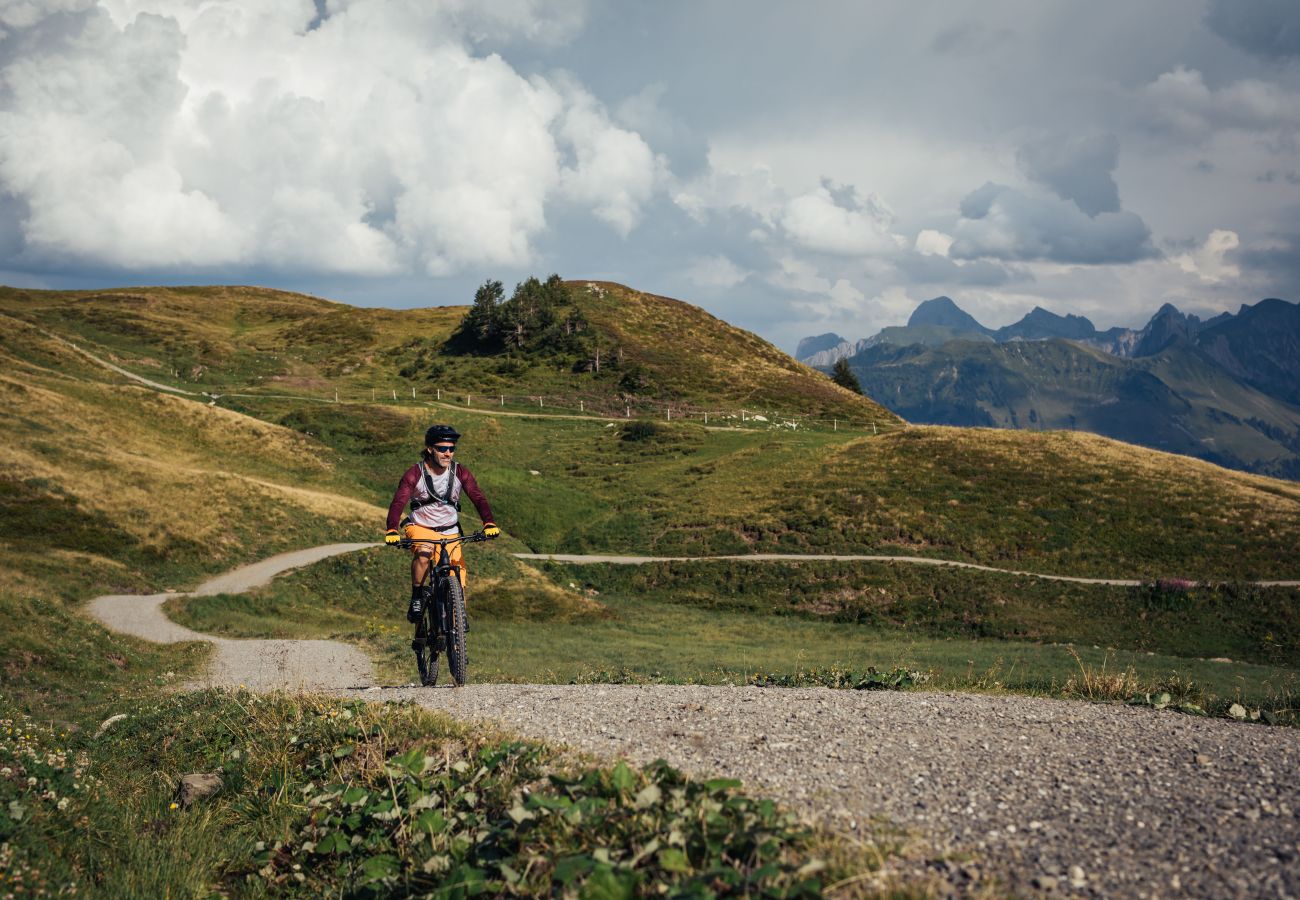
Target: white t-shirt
(433, 514)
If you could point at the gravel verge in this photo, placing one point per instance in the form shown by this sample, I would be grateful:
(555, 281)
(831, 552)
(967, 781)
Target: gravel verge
(1029, 794)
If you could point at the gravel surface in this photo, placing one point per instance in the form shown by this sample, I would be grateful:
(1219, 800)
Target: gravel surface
(255, 664)
(1044, 795)
(1028, 794)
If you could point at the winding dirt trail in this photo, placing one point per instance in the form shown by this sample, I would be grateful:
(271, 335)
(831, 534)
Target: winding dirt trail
(256, 664)
(585, 559)
(1024, 794)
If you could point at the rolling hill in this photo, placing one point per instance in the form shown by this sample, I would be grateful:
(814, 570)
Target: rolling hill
(255, 341)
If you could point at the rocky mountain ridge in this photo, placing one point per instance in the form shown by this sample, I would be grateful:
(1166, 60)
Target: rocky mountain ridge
(1225, 389)
(939, 320)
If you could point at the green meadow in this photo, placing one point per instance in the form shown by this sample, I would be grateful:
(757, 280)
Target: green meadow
(108, 486)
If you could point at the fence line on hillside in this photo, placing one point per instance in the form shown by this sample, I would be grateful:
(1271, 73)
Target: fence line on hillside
(587, 406)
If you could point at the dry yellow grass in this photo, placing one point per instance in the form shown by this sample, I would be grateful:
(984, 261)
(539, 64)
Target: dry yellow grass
(161, 472)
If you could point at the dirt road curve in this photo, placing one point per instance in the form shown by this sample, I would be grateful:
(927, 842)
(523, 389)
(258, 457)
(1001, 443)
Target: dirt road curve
(1035, 794)
(256, 664)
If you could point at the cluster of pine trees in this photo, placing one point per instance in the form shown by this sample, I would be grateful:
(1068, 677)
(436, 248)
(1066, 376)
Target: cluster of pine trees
(539, 317)
(540, 321)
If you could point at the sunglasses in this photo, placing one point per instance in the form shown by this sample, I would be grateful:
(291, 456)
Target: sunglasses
(445, 448)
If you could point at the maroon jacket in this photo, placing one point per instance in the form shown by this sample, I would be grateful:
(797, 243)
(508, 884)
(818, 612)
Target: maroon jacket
(406, 487)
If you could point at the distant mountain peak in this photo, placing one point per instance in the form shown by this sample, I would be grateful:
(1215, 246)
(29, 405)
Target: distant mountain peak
(810, 345)
(1043, 324)
(943, 311)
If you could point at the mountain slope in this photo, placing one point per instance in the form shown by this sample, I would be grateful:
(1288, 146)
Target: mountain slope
(260, 341)
(674, 489)
(1260, 345)
(1178, 400)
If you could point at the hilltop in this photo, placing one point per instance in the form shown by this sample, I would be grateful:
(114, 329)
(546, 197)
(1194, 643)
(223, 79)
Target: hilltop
(655, 353)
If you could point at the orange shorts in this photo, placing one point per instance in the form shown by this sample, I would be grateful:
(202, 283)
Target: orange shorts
(420, 533)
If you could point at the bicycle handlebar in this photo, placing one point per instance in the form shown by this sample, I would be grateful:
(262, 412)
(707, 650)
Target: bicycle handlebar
(408, 543)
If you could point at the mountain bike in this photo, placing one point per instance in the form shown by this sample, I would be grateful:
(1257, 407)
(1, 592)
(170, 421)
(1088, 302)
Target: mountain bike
(443, 623)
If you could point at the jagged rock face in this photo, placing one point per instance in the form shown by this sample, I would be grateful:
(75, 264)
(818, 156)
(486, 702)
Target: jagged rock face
(1116, 341)
(810, 345)
(842, 350)
(1166, 325)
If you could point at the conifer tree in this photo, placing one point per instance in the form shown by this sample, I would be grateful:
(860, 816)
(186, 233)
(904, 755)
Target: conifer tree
(483, 321)
(842, 375)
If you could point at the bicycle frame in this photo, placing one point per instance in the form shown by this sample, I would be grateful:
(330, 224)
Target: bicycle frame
(444, 612)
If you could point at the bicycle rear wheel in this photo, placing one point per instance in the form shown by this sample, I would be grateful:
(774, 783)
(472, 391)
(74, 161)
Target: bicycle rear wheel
(457, 657)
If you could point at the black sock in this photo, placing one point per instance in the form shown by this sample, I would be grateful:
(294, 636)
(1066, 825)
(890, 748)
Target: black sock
(415, 593)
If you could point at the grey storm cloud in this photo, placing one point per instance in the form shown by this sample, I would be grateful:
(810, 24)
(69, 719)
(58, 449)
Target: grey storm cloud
(930, 268)
(1268, 28)
(1078, 169)
(1273, 263)
(1000, 222)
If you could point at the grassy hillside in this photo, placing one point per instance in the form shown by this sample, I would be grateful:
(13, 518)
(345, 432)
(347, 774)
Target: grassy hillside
(111, 486)
(241, 340)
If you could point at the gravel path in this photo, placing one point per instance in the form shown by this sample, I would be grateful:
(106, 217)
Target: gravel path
(255, 664)
(1028, 793)
(1081, 798)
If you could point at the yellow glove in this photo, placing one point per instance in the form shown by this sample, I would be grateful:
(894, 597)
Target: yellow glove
(491, 530)
(391, 537)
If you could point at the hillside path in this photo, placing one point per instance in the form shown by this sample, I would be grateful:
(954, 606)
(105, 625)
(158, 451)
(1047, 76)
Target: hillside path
(585, 559)
(255, 664)
(1034, 794)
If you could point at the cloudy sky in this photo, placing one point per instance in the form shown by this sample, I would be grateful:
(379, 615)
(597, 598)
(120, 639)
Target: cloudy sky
(793, 168)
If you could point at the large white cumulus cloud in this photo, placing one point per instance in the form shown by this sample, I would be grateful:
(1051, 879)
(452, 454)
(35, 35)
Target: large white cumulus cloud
(373, 140)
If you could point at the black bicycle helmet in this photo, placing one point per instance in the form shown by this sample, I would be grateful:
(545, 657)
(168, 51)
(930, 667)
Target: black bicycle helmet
(438, 433)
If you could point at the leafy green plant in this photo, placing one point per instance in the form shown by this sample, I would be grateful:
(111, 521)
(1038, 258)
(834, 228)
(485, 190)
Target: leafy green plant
(870, 679)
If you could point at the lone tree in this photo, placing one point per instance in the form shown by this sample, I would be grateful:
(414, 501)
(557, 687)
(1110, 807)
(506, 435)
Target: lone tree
(842, 375)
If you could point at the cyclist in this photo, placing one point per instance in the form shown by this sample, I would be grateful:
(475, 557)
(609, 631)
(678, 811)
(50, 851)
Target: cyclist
(433, 487)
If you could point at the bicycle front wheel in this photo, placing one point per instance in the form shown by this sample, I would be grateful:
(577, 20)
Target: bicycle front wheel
(457, 658)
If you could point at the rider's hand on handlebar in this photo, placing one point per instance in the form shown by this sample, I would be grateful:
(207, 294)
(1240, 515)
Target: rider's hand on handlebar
(491, 530)
(391, 537)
